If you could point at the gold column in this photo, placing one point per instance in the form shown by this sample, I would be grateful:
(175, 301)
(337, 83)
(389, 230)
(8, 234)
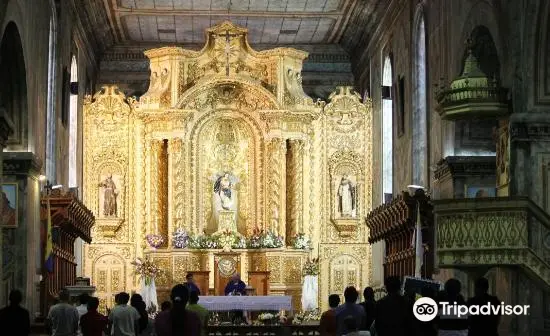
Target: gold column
(295, 166)
(143, 150)
(159, 189)
(176, 183)
(277, 185)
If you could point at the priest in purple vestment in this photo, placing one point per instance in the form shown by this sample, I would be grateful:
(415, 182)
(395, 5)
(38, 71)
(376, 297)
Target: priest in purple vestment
(235, 286)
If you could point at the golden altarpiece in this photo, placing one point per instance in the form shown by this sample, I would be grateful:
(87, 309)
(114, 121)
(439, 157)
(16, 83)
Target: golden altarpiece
(226, 139)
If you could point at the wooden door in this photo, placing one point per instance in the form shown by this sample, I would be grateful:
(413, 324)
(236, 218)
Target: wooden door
(109, 279)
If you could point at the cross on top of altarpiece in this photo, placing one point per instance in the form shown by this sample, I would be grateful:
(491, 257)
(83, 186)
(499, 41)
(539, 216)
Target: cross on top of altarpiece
(228, 38)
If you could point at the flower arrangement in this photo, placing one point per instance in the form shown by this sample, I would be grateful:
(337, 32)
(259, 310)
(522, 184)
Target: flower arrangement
(272, 240)
(154, 240)
(301, 242)
(311, 267)
(306, 316)
(266, 317)
(146, 269)
(203, 241)
(180, 238)
(256, 239)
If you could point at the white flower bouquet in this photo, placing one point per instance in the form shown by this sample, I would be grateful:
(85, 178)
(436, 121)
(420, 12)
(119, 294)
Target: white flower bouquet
(301, 242)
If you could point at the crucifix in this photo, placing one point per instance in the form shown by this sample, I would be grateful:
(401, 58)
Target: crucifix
(228, 38)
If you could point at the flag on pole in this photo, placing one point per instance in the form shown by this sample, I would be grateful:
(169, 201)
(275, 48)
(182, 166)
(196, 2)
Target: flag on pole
(48, 255)
(418, 247)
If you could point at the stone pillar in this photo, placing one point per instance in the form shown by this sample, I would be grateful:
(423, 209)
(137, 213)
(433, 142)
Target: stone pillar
(176, 177)
(294, 191)
(6, 129)
(23, 264)
(276, 198)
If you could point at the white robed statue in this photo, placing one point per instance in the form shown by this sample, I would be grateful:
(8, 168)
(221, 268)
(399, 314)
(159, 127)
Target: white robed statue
(149, 294)
(310, 289)
(225, 202)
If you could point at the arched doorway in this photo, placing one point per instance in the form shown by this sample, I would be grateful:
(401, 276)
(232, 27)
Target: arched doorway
(13, 86)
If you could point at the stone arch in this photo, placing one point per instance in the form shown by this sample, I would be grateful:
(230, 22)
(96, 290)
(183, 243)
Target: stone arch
(419, 106)
(481, 14)
(484, 49)
(257, 134)
(13, 87)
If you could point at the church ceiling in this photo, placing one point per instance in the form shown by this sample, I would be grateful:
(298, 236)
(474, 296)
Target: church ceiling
(278, 22)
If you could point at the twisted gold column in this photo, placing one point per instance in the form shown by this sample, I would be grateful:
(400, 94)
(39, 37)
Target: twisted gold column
(176, 185)
(277, 185)
(294, 191)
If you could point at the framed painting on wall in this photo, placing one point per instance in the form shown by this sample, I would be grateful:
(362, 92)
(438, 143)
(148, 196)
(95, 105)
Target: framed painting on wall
(479, 192)
(9, 205)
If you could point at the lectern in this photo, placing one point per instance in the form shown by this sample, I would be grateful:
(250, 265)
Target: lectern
(259, 280)
(202, 279)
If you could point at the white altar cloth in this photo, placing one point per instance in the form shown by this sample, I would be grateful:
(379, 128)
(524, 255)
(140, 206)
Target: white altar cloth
(247, 303)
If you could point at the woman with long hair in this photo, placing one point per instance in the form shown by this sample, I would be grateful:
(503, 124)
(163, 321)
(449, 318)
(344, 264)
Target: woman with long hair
(178, 321)
(137, 302)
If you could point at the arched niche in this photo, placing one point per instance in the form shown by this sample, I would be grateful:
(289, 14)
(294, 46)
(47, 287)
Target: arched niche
(227, 140)
(13, 86)
(475, 138)
(483, 48)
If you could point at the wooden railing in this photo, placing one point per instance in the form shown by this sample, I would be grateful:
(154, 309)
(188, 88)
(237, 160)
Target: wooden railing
(394, 223)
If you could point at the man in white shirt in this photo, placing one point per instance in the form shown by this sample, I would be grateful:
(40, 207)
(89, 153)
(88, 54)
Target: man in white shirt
(82, 308)
(124, 319)
(63, 317)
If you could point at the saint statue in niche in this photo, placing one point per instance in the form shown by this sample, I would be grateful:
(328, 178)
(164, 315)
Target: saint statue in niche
(110, 194)
(224, 196)
(347, 197)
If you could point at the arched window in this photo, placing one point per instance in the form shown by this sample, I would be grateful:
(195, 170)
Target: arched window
(50, 114)
(387, 131)
(73, 123)
(419, 119)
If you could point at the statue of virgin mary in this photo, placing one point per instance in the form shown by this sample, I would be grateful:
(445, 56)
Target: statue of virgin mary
(224, 196)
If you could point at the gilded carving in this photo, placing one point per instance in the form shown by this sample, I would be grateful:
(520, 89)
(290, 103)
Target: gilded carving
(274, 267)
(165, 279)
(292, 270)
(226, 108)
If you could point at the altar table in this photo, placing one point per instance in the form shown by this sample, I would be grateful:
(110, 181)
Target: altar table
(246, 303)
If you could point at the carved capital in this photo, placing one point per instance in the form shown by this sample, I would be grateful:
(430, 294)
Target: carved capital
(21, 163)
